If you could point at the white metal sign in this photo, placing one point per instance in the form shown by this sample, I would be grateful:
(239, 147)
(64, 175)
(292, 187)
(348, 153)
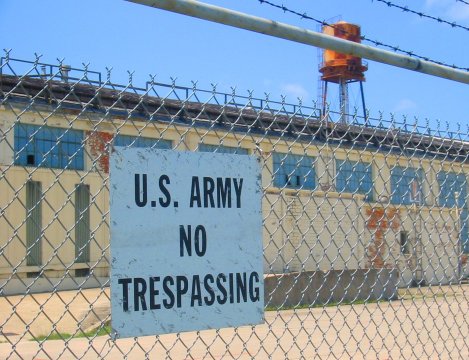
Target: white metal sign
(186, 241)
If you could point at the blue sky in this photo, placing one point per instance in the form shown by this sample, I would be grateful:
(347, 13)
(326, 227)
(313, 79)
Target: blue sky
(127, 36)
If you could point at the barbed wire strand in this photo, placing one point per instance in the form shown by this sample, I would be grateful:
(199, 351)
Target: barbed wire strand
(304, 15)
(422, 14)
(463, 1)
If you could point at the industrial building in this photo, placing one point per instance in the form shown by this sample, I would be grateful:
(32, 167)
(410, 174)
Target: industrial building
(337, 196)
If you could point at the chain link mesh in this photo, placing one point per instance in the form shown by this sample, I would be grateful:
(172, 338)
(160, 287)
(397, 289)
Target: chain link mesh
(365, 227)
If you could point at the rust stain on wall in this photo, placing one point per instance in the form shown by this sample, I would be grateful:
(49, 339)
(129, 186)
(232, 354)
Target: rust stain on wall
(98, 142)
(379, 221)
(464, 259)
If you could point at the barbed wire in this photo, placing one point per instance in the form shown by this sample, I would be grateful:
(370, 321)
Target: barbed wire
(463, 1)
(394, 48)
(423, 15)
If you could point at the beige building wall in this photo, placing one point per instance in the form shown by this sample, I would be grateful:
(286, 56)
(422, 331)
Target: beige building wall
(433, 245)
(58, 221)
(303, 231)
(311, 232)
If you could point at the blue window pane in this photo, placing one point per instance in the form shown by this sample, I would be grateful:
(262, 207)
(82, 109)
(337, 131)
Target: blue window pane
(354, 177)
(221, 149)
(141, 142)
(451, 183)
(406, 185)
(45, 146)
(464, 229)
(293, 171)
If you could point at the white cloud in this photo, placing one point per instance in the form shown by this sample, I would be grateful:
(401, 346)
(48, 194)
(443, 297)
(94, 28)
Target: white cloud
(267, 83)
(438, 3)
(295, 90)
(458, 11)
(449, 9)
(405, 105)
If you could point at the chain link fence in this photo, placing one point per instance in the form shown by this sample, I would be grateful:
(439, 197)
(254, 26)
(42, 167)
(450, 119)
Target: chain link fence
(365, 227)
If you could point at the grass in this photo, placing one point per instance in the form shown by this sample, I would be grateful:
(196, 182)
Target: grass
(101, 331)
(106, 330)
(312, 306)
(403, 294)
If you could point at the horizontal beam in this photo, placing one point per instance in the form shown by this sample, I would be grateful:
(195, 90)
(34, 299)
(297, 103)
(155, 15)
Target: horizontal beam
(260, 25)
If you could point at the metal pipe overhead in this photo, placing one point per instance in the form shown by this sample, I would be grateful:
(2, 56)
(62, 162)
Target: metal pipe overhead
(293, 33)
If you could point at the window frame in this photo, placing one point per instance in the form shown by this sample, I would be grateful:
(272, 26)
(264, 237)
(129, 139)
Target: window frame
(48, 147)
(133, 141)
(223, 149)
(450, 180)
(401, 193)
(344, 184)
(404, 245)
(287, 165)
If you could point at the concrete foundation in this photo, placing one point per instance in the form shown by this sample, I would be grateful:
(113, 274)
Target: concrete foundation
(42, 285)
(334, 286)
